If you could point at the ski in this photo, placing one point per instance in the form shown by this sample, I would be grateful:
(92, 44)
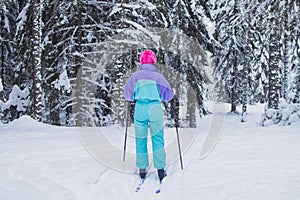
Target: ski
(140, 184)
(158, 189)
(162, 177)
(142, 180)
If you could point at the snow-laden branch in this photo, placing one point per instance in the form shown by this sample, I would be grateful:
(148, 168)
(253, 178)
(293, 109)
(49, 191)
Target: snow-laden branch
(1, 85)
(18, 98)
(154, 37)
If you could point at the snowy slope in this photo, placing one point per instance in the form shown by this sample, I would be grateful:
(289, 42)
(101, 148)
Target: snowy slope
(39, 161)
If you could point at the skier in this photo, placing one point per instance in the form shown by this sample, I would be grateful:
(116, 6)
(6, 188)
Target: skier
(148, 88)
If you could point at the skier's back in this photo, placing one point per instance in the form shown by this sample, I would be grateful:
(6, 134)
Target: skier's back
(148, 88)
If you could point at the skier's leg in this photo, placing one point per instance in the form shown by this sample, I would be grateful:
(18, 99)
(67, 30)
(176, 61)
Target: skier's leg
(141, 132)
(157, 135)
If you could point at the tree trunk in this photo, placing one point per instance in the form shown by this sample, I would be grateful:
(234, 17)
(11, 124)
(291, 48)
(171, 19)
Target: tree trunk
(273, 94)
(2, 65)
(233, 85)
(287, 39)
(191, 107)
(78, 109)
(234, 78)
(37, 66)
(246, 72)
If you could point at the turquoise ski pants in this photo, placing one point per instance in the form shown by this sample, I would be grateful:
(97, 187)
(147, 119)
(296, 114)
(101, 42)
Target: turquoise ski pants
(149, 113)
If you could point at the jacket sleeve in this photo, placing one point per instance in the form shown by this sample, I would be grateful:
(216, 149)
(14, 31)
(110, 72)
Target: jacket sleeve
(165, 90)
(129, 89)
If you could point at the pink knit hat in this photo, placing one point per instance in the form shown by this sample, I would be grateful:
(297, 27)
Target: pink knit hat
(147, 57)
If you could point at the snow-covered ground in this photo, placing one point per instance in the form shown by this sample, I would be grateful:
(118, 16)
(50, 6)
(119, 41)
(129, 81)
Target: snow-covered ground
(40, 162)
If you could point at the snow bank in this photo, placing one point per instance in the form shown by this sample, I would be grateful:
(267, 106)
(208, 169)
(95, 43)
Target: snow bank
(285, 115)
(27, 123)
(39, 161)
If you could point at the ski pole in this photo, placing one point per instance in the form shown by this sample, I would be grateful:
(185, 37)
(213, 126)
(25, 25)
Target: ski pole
(176, 102)
(178, 141)
(126, 129)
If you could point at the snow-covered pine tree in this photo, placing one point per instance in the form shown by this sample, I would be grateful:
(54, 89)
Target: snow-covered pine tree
(27, 54)
(293, 33)
(229, 56)
(14, 101)
(260, 52)
(53, 57)
(190, 23)
(197, 18)
(282, 111)
(8, 16)
(123, 62)
(70, 46)
(23, 68)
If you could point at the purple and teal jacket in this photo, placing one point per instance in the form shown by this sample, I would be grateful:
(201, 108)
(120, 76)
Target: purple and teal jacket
(148, 84)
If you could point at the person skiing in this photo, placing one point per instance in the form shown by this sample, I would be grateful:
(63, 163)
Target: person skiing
(148, 88)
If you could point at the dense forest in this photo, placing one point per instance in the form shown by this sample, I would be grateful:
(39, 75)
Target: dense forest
(66, 62)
